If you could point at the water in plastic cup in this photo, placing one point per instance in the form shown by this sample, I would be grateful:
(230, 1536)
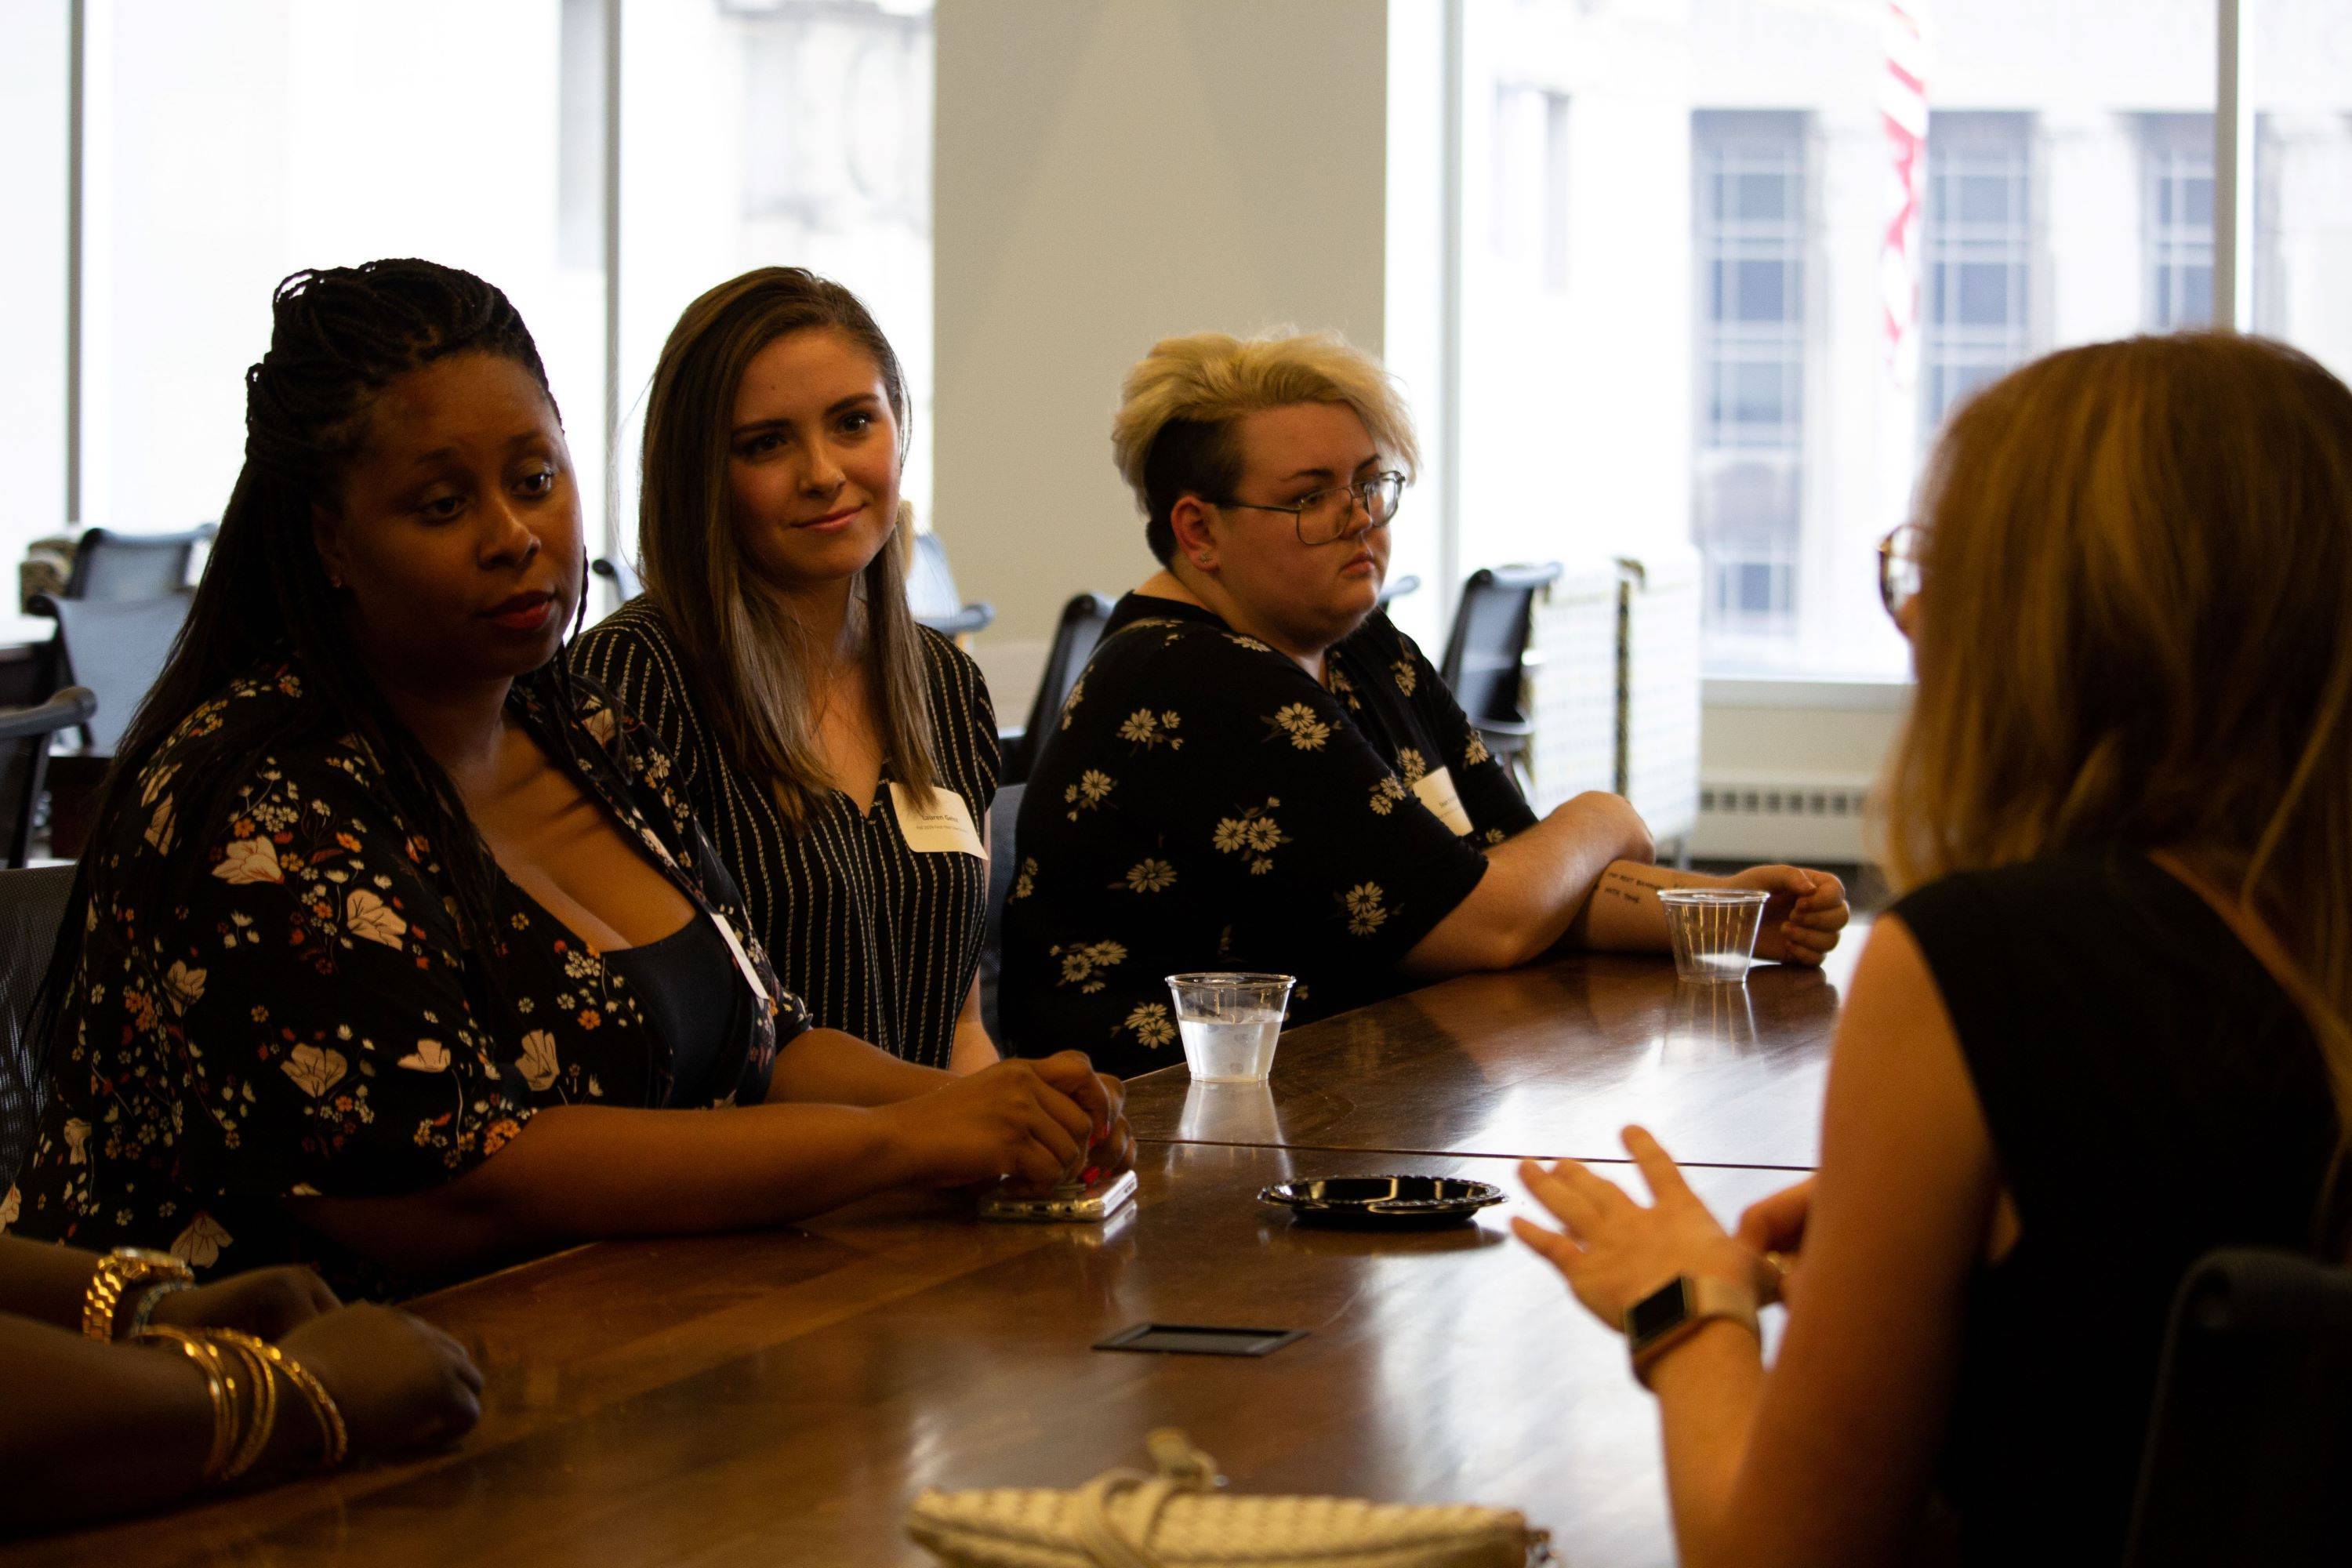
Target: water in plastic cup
(1230, 1024)
(1712, 930)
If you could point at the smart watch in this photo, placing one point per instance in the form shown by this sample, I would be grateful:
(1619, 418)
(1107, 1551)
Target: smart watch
(1675, 1310)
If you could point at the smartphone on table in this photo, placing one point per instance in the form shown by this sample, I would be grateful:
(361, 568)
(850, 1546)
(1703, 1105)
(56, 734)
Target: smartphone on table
(1068, 1205)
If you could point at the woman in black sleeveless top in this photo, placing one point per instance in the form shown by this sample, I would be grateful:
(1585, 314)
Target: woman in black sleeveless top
(2103, 1034)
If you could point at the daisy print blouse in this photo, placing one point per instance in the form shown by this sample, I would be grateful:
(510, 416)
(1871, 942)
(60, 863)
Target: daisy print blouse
(302, 1016)
(1205, 804)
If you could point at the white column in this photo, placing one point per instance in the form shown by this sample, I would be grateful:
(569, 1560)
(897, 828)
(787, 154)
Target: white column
(1108, 173)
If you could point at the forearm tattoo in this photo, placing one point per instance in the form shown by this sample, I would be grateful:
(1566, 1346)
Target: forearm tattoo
(1630, 883)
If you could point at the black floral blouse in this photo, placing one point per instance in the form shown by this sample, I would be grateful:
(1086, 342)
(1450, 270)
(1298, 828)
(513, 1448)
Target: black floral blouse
(305, 1018)
(1206, 804)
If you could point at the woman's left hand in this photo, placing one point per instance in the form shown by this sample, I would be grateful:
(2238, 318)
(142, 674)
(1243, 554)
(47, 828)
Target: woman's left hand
(264, 1302)
(1112, 1148)
(1612, 1250)
(1805, 913)
(1115, 1150)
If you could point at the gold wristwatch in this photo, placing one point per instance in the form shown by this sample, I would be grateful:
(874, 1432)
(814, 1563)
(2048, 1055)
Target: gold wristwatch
(1675, 1310)
(120, 1271)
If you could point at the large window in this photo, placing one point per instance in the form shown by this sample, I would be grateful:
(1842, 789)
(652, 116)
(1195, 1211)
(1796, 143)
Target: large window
(1749, 243)
(33, 190)
(227, 145)
(2299, 85)
(775, 132)
(1975, 282)
(1797, 234)
(2177, 220)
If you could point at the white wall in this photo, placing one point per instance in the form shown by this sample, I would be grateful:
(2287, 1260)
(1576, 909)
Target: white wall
(32, 274)
(1108, 173)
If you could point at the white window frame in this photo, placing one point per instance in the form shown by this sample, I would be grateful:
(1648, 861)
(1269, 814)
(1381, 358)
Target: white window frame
(1965, 146)
(1727, 145)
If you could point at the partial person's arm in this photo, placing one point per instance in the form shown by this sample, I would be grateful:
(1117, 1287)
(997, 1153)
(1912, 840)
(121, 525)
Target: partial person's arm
(1803, 912)
(92, 1430)
(583, 1173)
(1537, 884)
(1826, 1457)
(49, 1282)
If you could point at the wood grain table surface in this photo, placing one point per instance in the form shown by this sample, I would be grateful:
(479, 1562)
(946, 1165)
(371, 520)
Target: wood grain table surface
(779, 1398)
(1548, 1060)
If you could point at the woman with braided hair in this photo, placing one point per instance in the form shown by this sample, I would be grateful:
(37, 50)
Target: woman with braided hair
(393, 951)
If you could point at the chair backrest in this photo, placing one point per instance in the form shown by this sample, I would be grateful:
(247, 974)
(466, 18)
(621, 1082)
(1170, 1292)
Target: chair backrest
(931, 583)
(116, 648)
(620, 573)
(2250, 1439)
(1074, 637)
(1002, 859)
(1490, 638)
(110, 565)
(23, 763)
(931, 593)
(32, 906)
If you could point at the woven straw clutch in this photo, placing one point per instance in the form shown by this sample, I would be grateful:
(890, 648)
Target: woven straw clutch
(1175, 1519)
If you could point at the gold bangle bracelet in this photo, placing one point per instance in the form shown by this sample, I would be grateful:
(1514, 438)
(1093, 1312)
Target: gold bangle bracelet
(261, 1419)
(334, 1436)
(207, 1361)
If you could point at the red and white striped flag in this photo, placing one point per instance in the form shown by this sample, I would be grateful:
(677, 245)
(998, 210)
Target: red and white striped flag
(1903, 106)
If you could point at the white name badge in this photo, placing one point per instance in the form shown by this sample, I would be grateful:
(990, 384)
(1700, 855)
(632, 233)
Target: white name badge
(940, 828)
(742, 958)
(1436, 792)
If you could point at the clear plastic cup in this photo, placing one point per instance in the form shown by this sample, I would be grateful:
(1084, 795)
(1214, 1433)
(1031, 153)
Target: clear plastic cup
(1229, 1024)
(1714, 931)
(1230, 1113)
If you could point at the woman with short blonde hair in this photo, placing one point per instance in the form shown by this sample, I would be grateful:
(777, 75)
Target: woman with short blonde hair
(1178, 407)
(2103, 1032)
(1259, 771)
(843, 756)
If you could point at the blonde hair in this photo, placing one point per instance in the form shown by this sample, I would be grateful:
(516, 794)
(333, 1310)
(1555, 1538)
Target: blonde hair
(1175, 432)
(2136, 578)
(746, 654)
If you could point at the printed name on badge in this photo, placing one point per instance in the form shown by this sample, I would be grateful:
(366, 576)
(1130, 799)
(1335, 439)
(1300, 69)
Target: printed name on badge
(942, 828)
(1436, 792)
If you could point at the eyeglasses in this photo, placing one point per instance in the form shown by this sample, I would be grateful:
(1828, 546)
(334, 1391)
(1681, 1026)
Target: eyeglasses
(1328, 515)
(1900, 576)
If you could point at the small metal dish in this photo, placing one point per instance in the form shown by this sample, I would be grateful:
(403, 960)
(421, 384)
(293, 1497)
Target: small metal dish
(1383, 1203)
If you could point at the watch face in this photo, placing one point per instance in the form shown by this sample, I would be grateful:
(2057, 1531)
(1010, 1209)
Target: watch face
(147, 1255)
(1656, 1313)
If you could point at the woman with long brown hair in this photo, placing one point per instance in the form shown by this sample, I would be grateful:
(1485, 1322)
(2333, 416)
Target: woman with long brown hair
(843, 757)
(395, 951)
(2103, 1032)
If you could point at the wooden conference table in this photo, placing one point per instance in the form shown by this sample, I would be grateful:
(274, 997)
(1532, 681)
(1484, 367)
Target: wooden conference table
(778, 1398)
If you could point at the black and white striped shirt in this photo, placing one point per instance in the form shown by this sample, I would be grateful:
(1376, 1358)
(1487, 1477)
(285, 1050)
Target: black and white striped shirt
(879, 939)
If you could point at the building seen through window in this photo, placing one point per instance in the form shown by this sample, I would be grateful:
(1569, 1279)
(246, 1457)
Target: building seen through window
(1748, 374)
(1976, 278)
(2177, 220)
(1749, 244)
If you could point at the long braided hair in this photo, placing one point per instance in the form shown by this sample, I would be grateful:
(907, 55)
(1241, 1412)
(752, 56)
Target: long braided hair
(339, 337)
